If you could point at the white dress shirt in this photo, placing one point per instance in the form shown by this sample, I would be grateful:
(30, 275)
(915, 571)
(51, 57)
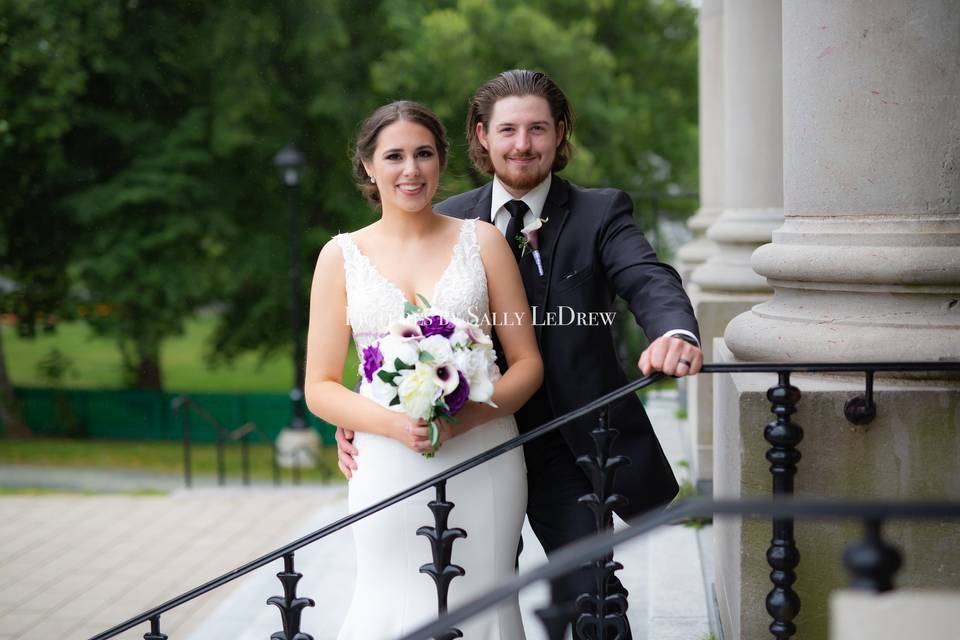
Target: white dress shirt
(535, 199)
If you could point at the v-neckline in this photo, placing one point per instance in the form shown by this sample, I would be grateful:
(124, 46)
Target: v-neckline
(393, 285)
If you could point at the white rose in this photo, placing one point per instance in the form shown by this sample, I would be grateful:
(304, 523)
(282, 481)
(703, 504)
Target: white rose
(381, 392)
(439, 349)
(475, 366)
(460, 339)
(419, 392)
(393, 347)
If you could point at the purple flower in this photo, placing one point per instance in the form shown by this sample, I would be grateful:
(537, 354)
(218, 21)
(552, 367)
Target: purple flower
(436, 325)
(372, 360)
(458, 397)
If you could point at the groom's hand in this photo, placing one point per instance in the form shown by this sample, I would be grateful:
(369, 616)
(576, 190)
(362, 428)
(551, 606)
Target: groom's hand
(671, 355)
(346, 452)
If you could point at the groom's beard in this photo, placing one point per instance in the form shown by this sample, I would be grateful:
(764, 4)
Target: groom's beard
(523, 181)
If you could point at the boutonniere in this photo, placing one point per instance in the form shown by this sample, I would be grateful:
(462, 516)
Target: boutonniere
(529, 240)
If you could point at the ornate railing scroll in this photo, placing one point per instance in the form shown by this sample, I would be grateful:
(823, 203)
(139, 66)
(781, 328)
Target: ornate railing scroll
(154, 633)
(783, 603)
(602, 616)
(290, 605)
(441, 538)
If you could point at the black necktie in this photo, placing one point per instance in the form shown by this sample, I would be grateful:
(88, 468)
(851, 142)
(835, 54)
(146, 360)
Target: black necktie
(516, 208)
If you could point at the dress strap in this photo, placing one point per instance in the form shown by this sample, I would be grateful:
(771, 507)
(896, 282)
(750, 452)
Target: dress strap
(470, 242)
(347, 245)
(352, 259)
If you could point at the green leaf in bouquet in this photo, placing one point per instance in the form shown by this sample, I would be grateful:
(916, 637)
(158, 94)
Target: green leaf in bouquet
(425, 357)
(387, 376)
(395, 401)
(409, 308)
(400, 365)
(426, 303)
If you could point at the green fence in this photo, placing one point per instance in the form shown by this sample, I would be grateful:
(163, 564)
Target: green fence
(148, 415)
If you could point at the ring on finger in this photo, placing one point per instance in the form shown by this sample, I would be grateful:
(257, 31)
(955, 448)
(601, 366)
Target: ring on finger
(684, 361)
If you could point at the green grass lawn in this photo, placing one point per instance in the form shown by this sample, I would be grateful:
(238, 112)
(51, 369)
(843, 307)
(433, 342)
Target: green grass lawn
(96, 362)
(164, 457)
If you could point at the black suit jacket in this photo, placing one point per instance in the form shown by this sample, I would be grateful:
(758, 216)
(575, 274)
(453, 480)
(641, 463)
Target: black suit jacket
(592, 251)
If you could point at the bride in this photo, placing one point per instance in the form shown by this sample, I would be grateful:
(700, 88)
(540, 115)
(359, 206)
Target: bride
(467, 269)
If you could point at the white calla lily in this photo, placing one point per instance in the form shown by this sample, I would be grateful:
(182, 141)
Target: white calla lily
(445, 376)
(406, 329)
(478, 336)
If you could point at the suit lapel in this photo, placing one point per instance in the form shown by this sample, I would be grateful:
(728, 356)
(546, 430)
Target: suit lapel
(481, 207)
(555, 210)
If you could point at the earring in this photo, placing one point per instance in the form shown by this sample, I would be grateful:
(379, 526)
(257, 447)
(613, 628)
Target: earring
(372, 179)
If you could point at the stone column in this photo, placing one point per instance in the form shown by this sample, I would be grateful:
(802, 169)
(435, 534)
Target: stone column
(710, 65)
(695, 252)
(865, 267)
(725, 284)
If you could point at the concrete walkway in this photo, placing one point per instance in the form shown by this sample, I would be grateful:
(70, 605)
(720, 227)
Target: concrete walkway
(72, 566)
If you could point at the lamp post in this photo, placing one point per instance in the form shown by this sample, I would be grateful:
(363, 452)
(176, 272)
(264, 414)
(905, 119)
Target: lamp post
(297, 444)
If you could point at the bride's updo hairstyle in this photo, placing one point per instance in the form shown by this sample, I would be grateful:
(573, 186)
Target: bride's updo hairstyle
(379, 120)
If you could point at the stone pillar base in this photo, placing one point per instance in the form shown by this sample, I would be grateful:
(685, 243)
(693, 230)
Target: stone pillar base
(911, 450)
(855, 615)
(298, 448)
(713, 311)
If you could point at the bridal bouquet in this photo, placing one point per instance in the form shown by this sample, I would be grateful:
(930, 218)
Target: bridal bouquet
(428, 365)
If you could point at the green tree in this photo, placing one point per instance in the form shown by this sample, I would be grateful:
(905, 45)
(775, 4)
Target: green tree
(136, 138)
(44, 52)
(629, 69)
(144, 203)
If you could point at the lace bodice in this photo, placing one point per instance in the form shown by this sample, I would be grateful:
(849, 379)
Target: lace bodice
(373, 301)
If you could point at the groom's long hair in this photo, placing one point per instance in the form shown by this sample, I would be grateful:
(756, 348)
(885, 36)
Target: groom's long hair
(518, 82)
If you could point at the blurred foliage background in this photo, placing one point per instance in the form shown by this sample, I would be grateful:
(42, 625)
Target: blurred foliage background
(137, 138)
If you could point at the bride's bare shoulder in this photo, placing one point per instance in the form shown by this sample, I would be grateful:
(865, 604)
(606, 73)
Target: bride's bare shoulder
(490, 238)
(330, 261)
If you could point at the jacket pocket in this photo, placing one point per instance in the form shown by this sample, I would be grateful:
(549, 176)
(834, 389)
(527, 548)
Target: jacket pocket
(574, 278)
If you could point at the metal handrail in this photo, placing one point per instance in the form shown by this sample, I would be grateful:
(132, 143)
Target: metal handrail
(632, 387)
(184, 402)
(575, 555)
(379, 506)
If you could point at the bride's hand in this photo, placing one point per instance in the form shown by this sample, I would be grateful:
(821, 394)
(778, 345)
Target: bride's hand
(447, 430)
(411, 433)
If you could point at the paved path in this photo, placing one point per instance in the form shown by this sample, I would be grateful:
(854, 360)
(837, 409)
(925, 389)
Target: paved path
(72, 566)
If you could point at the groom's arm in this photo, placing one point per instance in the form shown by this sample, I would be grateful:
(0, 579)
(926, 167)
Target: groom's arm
(652, 289)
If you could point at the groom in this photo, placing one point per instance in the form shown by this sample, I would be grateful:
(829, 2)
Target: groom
(519, 126)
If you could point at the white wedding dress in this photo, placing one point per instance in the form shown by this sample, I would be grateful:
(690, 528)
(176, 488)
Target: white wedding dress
(391, 597)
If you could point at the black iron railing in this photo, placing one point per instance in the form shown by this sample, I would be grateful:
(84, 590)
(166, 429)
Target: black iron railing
(598, 616)
(871, 562)
(246, 434)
